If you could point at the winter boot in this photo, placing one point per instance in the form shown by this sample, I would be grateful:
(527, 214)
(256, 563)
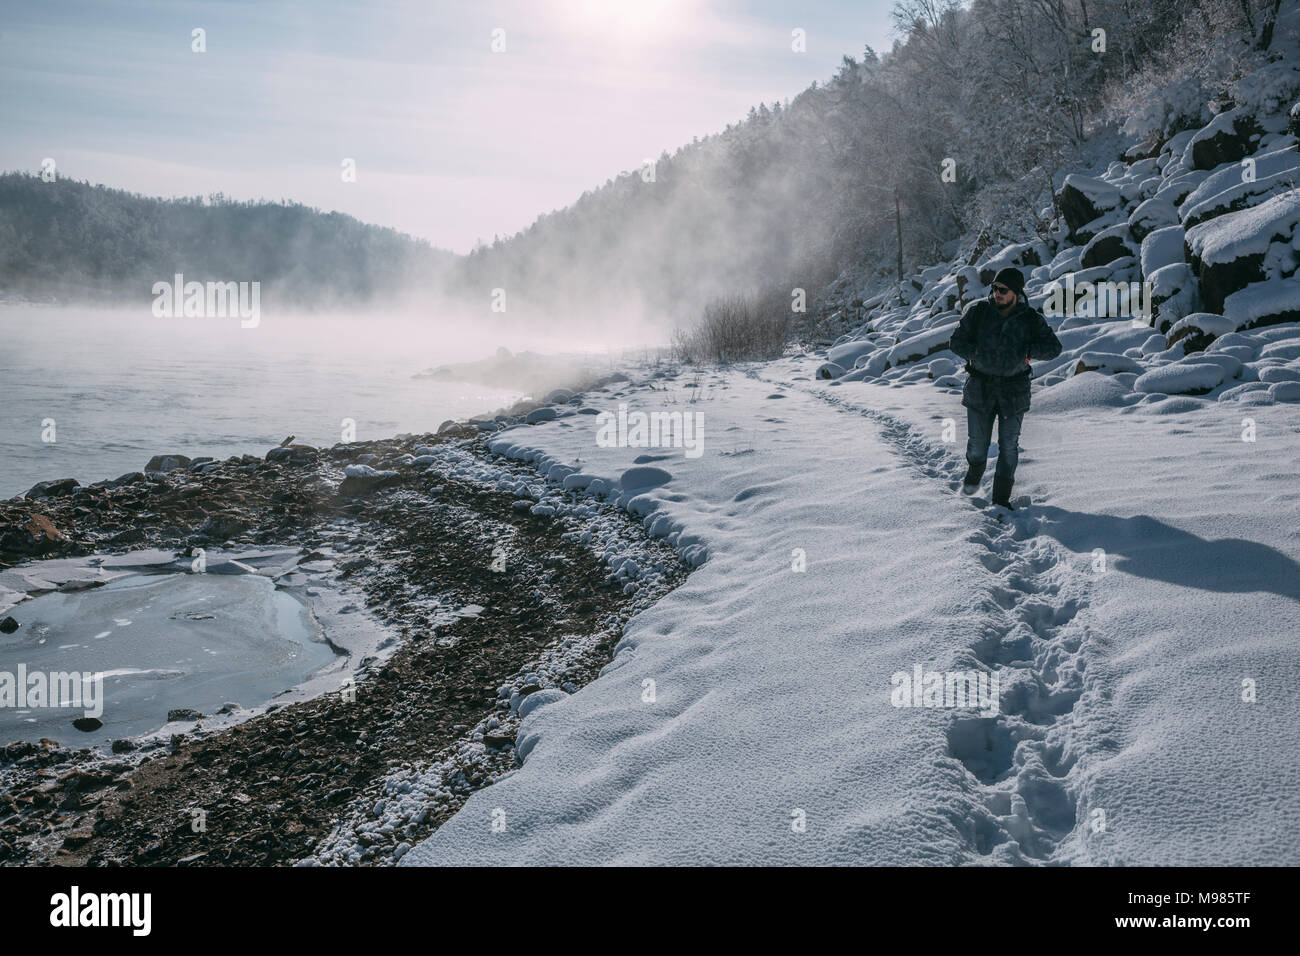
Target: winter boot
(971, 483)
(1002, 491)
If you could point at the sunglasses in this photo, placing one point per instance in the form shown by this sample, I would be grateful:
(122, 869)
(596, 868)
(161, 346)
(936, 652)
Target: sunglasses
(1001, 289)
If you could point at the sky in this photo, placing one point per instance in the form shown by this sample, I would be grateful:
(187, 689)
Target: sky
(451, 141)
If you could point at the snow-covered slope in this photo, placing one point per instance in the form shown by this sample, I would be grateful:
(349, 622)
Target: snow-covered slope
(749, 717)
(1201, 227)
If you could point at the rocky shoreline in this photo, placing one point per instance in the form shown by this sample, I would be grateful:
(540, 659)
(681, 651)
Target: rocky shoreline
(356, 776)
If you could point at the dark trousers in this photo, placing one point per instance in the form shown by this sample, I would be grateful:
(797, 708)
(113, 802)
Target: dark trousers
(979, 432)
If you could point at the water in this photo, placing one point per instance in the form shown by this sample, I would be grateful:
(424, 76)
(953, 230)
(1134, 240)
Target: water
(160, 642)
(121, 387)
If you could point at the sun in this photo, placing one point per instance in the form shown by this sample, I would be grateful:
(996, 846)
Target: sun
(626, 21)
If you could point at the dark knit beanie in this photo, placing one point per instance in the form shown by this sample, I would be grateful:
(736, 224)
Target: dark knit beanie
(1013, 279)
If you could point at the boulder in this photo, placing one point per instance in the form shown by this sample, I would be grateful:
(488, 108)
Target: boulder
(1152, 214)
(1226, 139)
(167, 463)
(1180, 378)
(37, 535)
(1161, 247)
(1228, 252)
(1271, 302)
(1107, 246)
(1107, 362)
(1198, 330)
(1083, 199)
(363, 479)
(53, 489)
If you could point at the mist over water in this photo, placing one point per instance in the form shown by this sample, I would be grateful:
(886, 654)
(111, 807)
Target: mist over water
(124, 385)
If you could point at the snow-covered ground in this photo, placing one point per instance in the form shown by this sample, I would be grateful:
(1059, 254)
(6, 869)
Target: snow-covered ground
(1140, 618)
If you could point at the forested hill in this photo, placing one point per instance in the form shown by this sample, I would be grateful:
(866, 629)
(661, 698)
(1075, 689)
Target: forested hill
(957, 138)
(70, 240)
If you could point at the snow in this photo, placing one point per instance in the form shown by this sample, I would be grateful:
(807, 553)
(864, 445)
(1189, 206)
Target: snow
(746, 717)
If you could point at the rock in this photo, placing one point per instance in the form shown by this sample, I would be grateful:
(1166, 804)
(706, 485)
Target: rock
(1181, 378)
(1107, 246)
(1083, 199)
(543, 414)
(1174, 292)
(53, 489)
(220, 527)
(130, 478)
(1226, 139)
(165, 463)
(8, 626)
(87, 724)
(1150, 215)
(498, 738)
(1161, 247)
(1273, 302)
(77, 839)
(362, 479)
(122, 746)
(1198, 330)
(37, 535)
(1107, 362)
(829, 370)
(183, 713)
(1021, 254)
(295, 454)
(558, 396)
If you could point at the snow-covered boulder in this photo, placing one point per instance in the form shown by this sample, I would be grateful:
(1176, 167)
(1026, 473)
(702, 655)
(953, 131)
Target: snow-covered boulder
(1067, 260)
(1160, 248)
(1083, 199)
(1174, 293)
(846, 355)
(921, 345)
(830, 370)
(1225, 139)
(1021, 254)
(1264, 303)
(1228, 189)
(1285, 391)
(1151, 214)
(1107, 246)
(1180, 378)
(1198, 330)
(1106, 362)
(1176, 189)
(1228, 253)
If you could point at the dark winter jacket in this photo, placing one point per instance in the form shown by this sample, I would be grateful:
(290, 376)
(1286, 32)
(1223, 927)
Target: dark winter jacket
(996, 349)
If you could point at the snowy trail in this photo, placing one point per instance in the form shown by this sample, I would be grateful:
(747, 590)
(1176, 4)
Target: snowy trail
(1036, 633)
(1184, 746)
(772, 687)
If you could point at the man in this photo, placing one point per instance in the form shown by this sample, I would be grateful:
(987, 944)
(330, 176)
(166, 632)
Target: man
(997, 337)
